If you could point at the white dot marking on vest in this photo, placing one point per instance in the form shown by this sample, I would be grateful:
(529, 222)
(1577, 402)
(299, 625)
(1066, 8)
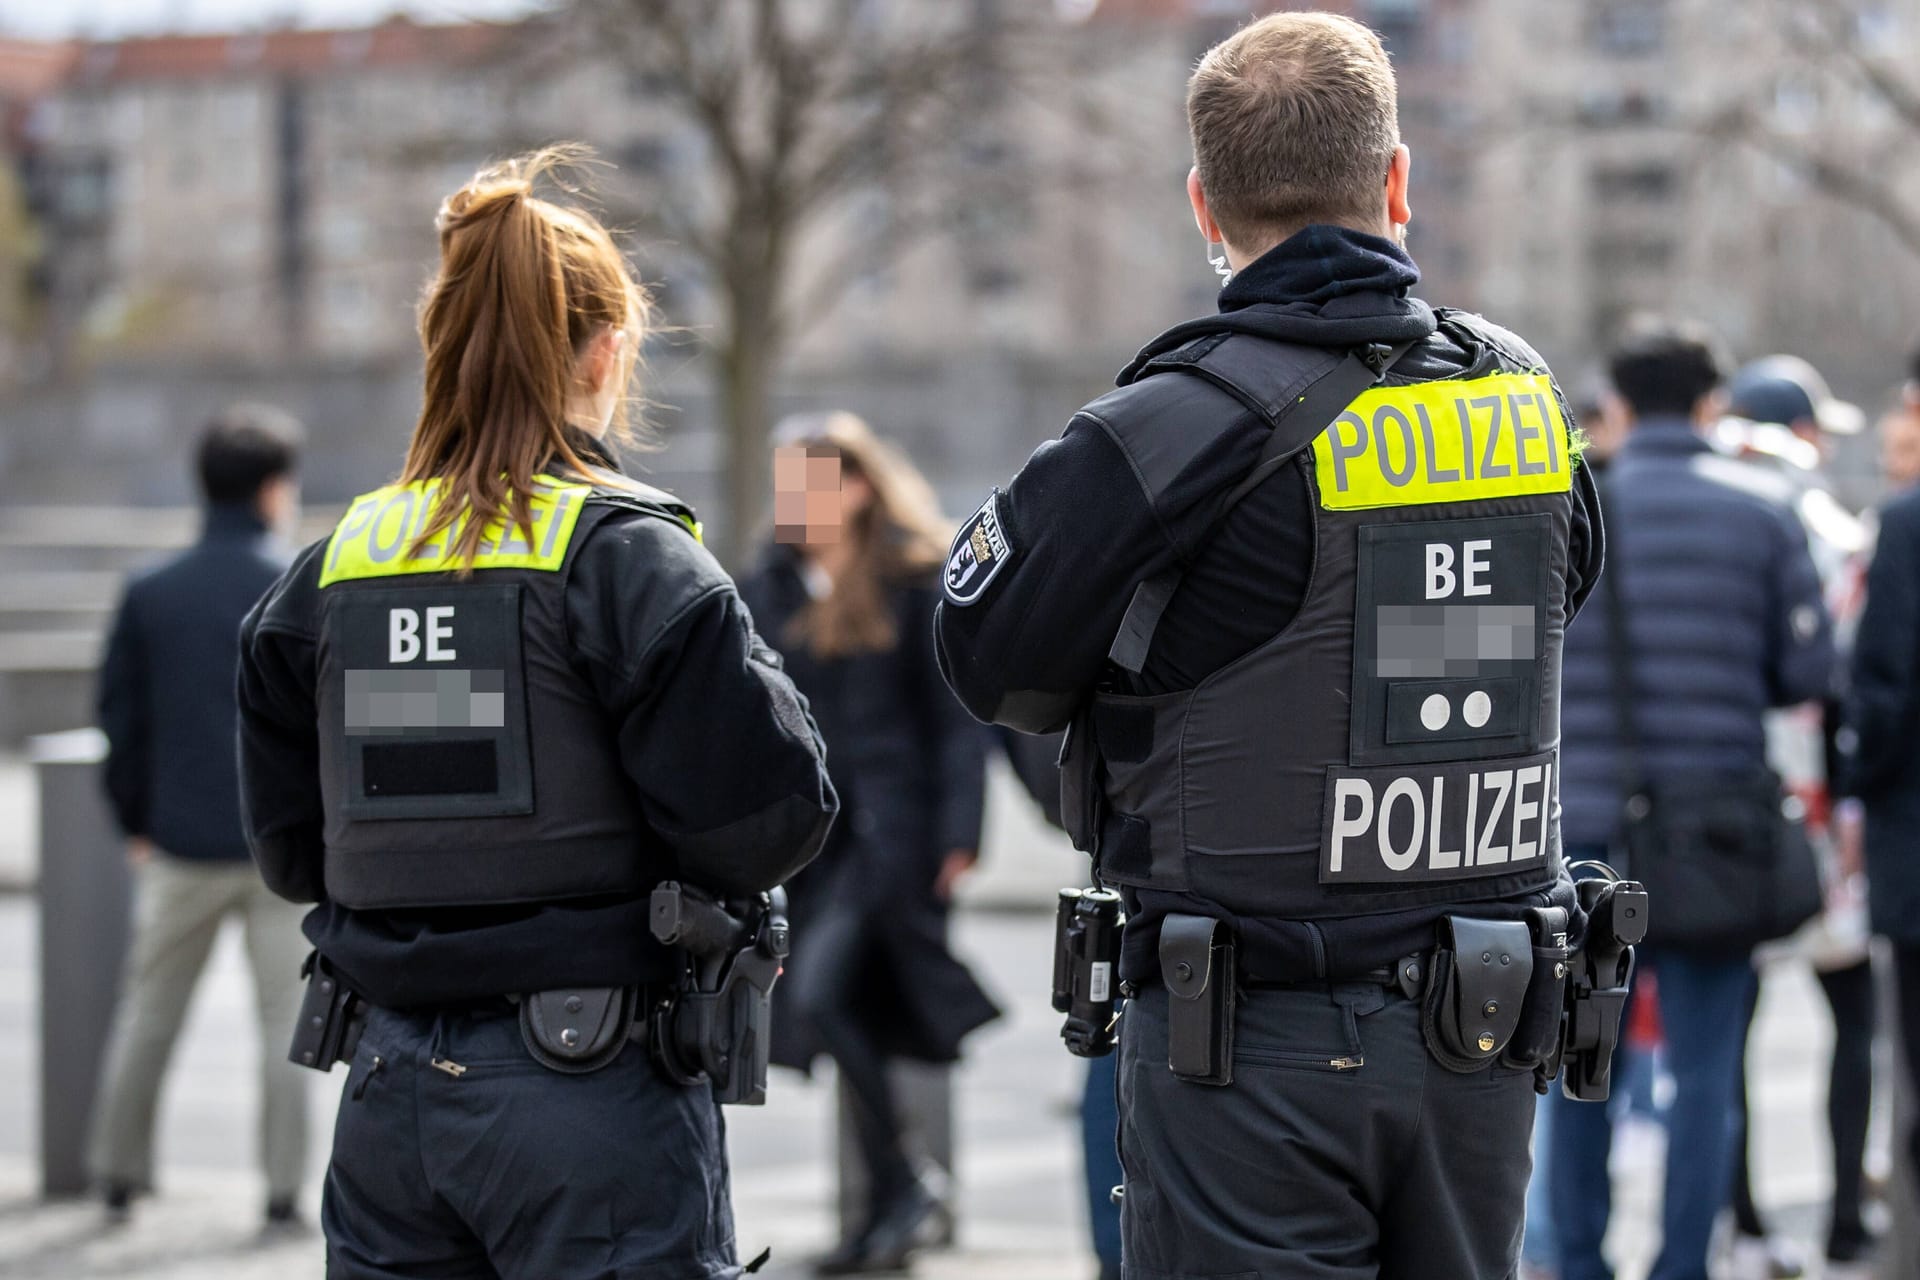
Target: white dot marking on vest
(1477, 709)
(1435, 712)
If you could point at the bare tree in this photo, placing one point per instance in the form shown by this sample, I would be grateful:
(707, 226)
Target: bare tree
(1838, 108)
(797, 110)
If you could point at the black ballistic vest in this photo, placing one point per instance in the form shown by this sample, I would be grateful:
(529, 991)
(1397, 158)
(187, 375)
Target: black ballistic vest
(464, 760)
(1396, 744)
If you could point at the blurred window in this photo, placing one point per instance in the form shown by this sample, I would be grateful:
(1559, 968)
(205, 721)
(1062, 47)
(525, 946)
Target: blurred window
(647, 156)
(1879, 29)
(1400, 24)
(1627, 28)
(349, 304)
(85, 188)
(1634, 182)
(1611, 253)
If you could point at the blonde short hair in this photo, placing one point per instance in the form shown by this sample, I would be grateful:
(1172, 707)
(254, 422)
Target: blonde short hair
(1294, 120)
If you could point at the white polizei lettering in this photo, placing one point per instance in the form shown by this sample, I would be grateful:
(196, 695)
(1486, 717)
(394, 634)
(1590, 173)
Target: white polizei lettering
(1546, 804)
(403, 635)
(1398, 860)
(1343, 826)
(1501, 781)
(1440, 859)
(1473, 564)
(439, 627)
(1473, 807)
(1523, 810)
(1440, 580)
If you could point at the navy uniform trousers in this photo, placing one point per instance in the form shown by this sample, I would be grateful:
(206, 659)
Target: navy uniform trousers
(1301, 1169)
(507, 1169)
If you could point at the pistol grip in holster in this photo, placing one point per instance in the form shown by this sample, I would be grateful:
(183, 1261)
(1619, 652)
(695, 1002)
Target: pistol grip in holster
(1477, 990)
(1197, 963)
(1601, 977)
(716, 1028)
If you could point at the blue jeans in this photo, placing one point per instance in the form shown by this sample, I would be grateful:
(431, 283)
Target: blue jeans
(1703, 1004)
(1099, 1125)
(1539, 1247)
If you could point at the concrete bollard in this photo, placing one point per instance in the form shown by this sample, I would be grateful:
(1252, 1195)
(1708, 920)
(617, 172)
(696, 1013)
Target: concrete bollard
(84, 896)
(924, 1094)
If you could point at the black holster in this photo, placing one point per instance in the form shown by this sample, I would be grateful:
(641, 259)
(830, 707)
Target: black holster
(1476, 990)
(1082, 783)
(1197, 962)
(331, 1018)
(1598, 980)
(716, 1028)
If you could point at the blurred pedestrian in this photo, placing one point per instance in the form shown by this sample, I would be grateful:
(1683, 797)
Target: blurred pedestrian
(1900, 443)
(1784, 394)
(847, 593)
(167, 705)
(480, 725)
(1723, 619)
(1883, 713)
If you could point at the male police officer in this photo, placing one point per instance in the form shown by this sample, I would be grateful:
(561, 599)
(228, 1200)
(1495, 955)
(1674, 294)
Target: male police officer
(1300, 584)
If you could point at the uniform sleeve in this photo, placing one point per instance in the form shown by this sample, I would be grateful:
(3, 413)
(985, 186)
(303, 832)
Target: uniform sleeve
(1587, 546)
(280, 801)
(1886, 660)
(1080, 534)
(124, 711)
(729, 767)
(1801, 664)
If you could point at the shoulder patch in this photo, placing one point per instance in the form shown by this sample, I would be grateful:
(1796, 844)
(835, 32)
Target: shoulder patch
(980, 552)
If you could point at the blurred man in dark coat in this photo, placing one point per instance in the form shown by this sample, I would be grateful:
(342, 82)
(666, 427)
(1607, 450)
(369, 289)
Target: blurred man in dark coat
(167, 705)
(1884, 713)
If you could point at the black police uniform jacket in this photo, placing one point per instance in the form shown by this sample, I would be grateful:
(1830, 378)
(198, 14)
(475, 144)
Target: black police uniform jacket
(909, 766)
(1360, 659)
(478, 779)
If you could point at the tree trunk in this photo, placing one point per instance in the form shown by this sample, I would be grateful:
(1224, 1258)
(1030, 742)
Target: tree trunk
(743, 371)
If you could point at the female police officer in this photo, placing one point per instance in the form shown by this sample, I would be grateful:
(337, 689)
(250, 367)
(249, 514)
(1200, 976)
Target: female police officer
(479, 723)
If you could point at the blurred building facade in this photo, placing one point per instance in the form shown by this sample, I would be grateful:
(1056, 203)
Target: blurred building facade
(1617, 170)
(189, 220)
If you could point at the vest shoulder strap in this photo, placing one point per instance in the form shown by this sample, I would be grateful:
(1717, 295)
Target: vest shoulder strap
(1264, 374)
(1298, 402)
(631, 495)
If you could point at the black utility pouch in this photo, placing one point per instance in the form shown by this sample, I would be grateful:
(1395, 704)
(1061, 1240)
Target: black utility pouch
(577, 1029)
(1476, 991)
(1537, 1037)
(331, 1018)
(1197, 964)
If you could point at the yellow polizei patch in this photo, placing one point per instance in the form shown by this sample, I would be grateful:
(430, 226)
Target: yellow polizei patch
(376, 536)
(1501, 436)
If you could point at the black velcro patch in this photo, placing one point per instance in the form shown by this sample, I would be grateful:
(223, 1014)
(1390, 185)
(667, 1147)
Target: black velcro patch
(1125, 733)
(460, 767)
(980, 551)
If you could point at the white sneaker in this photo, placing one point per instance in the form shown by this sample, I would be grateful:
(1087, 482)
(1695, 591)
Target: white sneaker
(1769, 1258)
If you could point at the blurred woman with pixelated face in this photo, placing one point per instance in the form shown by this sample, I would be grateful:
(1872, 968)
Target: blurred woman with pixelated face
(847, 592)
